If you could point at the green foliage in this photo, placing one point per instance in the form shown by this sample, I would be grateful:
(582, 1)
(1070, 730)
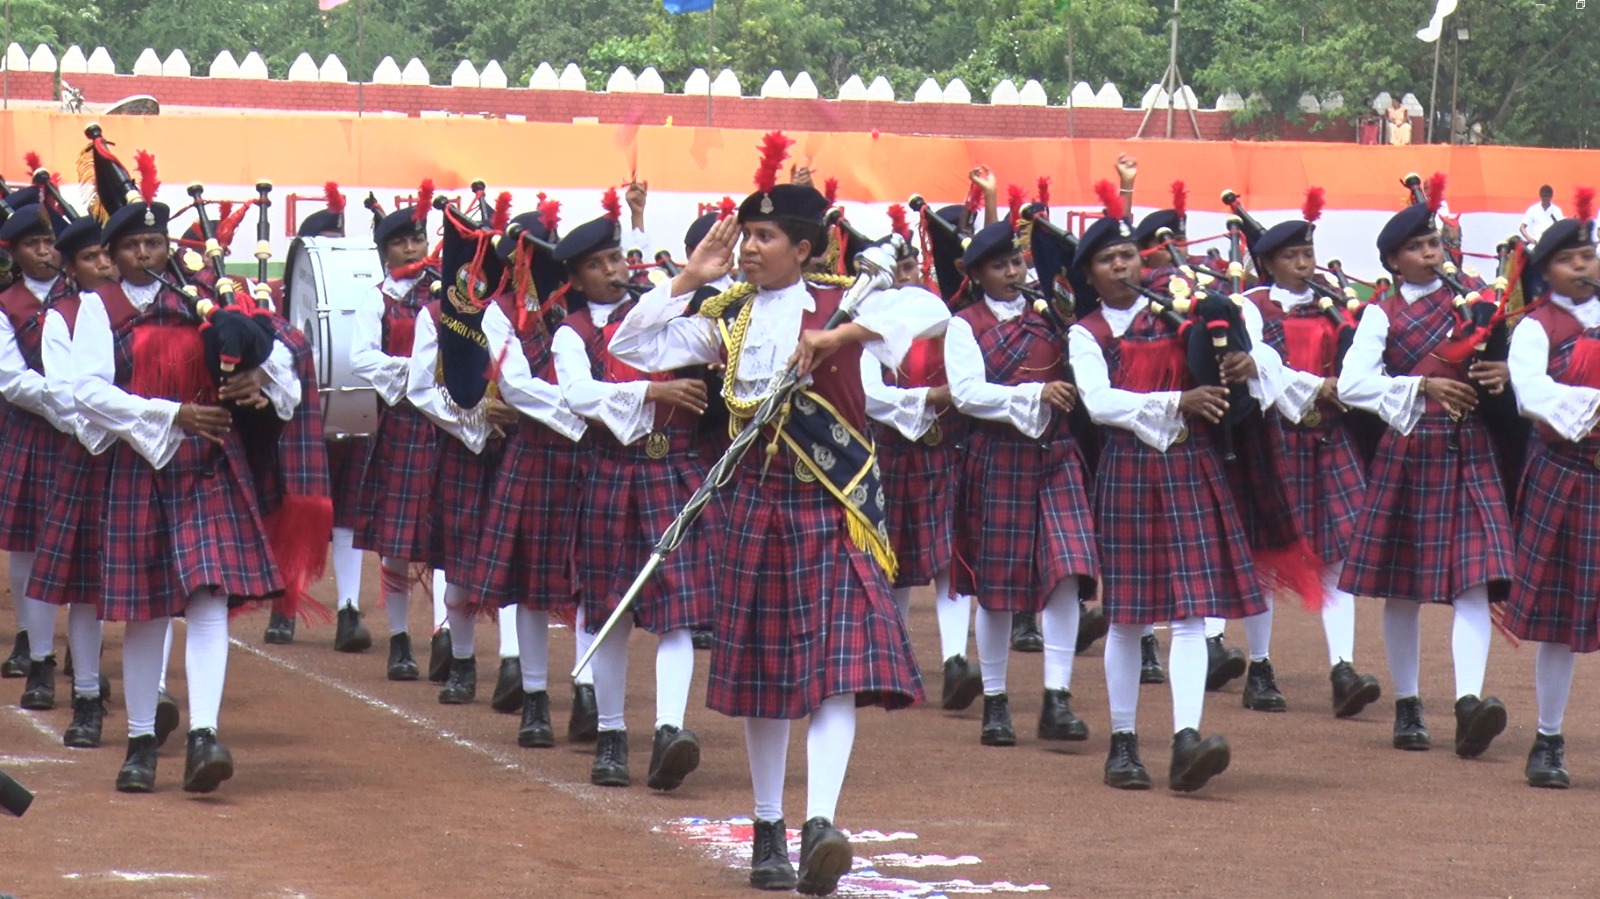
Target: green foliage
(1528, 74)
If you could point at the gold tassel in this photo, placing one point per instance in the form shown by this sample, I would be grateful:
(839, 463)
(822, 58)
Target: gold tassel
(866, 538)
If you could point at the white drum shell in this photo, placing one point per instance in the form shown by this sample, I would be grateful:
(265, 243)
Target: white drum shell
(325, 281)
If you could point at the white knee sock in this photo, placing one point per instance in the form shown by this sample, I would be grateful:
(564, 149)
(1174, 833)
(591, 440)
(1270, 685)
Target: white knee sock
(84, 634)
(533, 646)
(583, 640)
(829, 739)
(346, 568)
(1149, 631)
(766, 744)
(1059, 625)
(142, 661)
(463, 623)
(1338, 618)
(1186, 672)
(1552, 682)
(205, 655)
(1402, 640)
(611, 675)
(674, 673)
(508, 632)
(1215, 627)
(20, 566)
(1469, 640)
(955, 619)
(39, 620)
(1258, 633)
(902, 601)
(396, 586)
(1122, 675)
(439, 587)
(166, 654)
(994, 649)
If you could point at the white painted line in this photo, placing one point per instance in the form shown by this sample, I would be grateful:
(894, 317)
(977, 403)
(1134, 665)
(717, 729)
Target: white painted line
(38, 725)
(145, 876)
(23, 761)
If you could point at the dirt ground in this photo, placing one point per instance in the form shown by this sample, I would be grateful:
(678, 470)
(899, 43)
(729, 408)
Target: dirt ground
(348, 785)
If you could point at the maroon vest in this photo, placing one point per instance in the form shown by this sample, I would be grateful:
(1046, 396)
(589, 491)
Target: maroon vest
(1574, 359)
(27, 316)
(1150, 357)
(159, 353)
(608, 368)
(1024, 350)
(400, 316)
(1304, 337)
(1415, 329)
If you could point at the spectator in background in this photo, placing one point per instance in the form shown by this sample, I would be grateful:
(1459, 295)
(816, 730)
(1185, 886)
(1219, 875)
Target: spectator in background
(1540, 216)
(1399, 119)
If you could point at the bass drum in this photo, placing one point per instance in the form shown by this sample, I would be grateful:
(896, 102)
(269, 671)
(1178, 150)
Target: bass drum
(325, 280)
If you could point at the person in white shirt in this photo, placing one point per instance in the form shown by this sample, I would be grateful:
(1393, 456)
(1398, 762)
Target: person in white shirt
(1540, 216)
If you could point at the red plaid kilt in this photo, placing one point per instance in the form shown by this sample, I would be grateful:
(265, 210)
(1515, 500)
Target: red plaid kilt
(528, 528)
(1324, 482)
(1022, 519)
(66, 568)
(346, 460)
(397, 485)
(919, 486)
(804, 613)
(1171, 543)
(455, 515)
(170, 532)
(1434, 521)
(1555, 594)
(30, 455)
(630, 500)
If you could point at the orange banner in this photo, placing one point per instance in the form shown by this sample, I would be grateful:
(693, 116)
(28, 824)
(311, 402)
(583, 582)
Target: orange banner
(240, 149)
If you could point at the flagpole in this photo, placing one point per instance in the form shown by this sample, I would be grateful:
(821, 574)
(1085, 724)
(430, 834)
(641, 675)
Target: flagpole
(1433, 94)
(361, 19)
(711, 49)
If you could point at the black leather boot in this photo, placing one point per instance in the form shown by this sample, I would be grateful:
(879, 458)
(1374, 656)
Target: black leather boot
(1352, 692)
(1410, 733)
(1478, 722)
(39, 693)
(166, 717)
(702, 637)
(462, 686)
(1195, 760)
(673, 756)
(1092, 626)
(1547, 762)
(1025, 634)
(610, 768)
(280, 631)
(350, 635)
(997, 729)
(401, 665)
(825, 857)
(1150, 668)
(770, 868)
(1124, 770)
(439, 656)
(536, 732)
(507, 697)
(1222, 664)
(1261, 692)
(962, 684)
(16, 664)
(138, 774)
(584, 725)
(88, 715)
(1056, 721)
(208, 764)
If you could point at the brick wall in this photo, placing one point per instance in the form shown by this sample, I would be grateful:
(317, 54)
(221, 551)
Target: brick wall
(655, 109)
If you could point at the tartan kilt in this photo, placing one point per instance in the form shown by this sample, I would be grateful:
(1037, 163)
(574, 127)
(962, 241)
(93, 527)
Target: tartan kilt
(346, 460)
(455, 515)
(1555, 593)
(1171, 542)
(629, 502)
(397, 485)
(804, 613)
(1434, 520)
(1325, 483)
(66, 568)
(919, 487)
(528, 534)
(170, 532)
(1023, 519)
(30, 454)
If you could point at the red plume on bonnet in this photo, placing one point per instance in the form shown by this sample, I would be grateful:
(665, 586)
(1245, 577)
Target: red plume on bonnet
(502, 212)
(1312, 210)
(149, 183)
(333, 198)
(1180, 199)
(1110, 198)
(1043, 197)
(419, 212)
(1584, 202)
(611, 205)
(1014, 199)
(1435, 192)
(898, 223)
(774, 150)
(549, 214)
(231, 219)
(33, 161)
(726, 208)
(830, 191)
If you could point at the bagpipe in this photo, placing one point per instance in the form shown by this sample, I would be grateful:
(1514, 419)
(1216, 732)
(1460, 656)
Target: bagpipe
(941, 238)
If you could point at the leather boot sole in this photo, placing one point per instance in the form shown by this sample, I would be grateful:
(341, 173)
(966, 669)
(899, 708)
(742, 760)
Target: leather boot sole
(1550, 780)
(1076, 732)
(210, 775)
(610, 778)
(1265, 703)
(998, 738)
(1363, 696)
(830, 860)
(1128, 780)
(38, 702)
(778, 877)
(80, 739)
(166, 719)
(679, 760)
(360, 641)
(1155, 675)
(1228, 670)
(542, 738)
(1413, 742)
(1487, 722)
(965, 692)
(1210, 761)
(136, 781)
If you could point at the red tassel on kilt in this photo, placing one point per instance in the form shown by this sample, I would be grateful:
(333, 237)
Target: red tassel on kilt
(1294, 568)
(298, 533)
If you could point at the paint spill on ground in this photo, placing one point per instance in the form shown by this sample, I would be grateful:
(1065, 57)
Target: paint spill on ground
(729, 840)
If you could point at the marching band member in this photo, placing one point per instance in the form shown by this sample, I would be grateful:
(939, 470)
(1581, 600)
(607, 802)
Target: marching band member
(1433, 525)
